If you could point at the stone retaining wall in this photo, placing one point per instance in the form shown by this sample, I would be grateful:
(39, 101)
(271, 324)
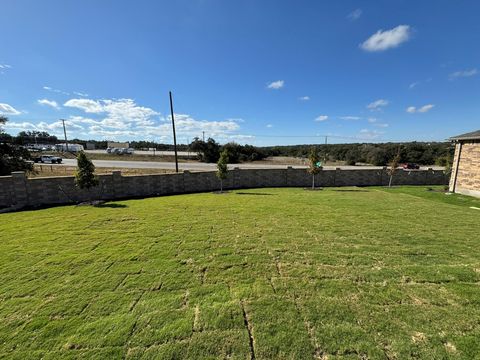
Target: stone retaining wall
(17, 192)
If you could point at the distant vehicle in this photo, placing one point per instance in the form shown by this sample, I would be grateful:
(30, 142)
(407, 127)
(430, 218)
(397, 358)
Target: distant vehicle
(48, 159)
(410, 166)
(120, 151)
(70, 147)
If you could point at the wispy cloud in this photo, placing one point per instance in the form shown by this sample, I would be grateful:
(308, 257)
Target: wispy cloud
(422, 109)
(370, 134)
(355, 14)
(4, 67)
(350, 117)
(321, 118)
(377, 104)
(372, 120)
(412, 85)
(304, 98)
(6, 109)
(51, 103)
(383, 40)
(276, 85)
(80, 94)
(48, 88)
(269, 126)
(463, 73)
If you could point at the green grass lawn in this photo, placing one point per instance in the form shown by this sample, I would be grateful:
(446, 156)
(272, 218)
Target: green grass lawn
(267, 273)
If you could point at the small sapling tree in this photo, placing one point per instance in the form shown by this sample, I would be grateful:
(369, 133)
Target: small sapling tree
(393, 167)
(85, 175)
(313, 164)
(222, 168)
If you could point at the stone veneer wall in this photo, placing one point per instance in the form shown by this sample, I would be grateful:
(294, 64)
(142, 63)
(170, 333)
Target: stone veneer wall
(18, 192)
(466, 177)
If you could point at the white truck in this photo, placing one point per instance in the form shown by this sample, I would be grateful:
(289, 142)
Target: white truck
(49, 159)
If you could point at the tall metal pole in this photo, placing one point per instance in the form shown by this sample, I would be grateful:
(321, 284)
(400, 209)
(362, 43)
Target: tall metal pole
(174, 135)
(65, 133)
(203, 136)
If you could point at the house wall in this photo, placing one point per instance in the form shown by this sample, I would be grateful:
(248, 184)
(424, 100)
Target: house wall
(18, 192)
(466, 176)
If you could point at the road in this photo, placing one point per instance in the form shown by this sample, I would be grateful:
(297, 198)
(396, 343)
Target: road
(194, 166)
(151, 153)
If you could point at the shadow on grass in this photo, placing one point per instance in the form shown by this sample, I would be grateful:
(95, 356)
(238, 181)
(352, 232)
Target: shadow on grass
(254, 193)
(111, 205)
(350, 190)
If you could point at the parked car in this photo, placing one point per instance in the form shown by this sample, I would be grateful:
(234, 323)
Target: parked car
(410, 166)
(48, 159)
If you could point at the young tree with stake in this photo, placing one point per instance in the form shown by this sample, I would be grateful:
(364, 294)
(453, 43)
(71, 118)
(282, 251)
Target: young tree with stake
(393, 167)
(313, 164)
(222, 168)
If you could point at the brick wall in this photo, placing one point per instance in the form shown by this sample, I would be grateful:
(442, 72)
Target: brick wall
(466, 177)
(17, 191)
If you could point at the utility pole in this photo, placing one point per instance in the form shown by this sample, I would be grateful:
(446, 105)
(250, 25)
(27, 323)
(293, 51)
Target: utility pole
(325, 158)
(65, 133)
(174, 135)
(203, 136)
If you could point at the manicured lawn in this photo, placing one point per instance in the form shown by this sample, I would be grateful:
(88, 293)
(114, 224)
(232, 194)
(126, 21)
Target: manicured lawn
(270, 273)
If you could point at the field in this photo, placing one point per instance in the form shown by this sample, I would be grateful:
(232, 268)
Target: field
(341, 273)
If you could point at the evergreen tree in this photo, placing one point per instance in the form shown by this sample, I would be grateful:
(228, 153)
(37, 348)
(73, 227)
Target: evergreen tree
(12, 158)
(222, 168)
(85, 175)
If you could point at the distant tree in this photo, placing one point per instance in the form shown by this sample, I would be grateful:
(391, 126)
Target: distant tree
(40, 137)
(208, 151)
(222, 168)
(12, 158)
(85, 175)
(393, 167)
(313, 168)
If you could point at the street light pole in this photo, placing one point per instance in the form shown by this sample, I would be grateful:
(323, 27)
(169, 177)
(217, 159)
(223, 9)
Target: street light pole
(174, 135)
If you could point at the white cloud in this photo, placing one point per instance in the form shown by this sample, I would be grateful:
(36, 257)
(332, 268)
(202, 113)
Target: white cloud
(412, 85)
(463, 73)
(372, 120)
(423, 109)
(381, 125)
(350, 117)
(276, 85)
(20, 125)
(6, 109)
(321, 118)
(50, 103)
(269, 126)
(383, 40)
(355, 14)
(304, 98)
(87, 105)
(377, 104)
(426, 108)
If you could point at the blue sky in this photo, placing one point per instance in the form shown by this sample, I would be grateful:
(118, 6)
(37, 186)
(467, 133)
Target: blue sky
(258, 72)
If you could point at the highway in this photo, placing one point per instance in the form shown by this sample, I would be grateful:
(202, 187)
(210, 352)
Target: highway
(198, 166)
